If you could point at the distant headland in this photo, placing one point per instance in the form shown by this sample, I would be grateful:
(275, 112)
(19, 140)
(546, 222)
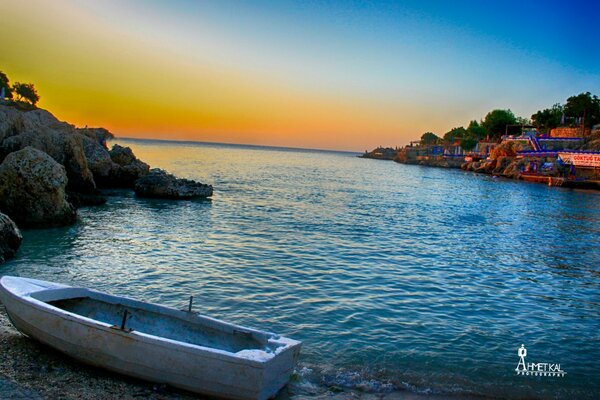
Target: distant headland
(558, 146)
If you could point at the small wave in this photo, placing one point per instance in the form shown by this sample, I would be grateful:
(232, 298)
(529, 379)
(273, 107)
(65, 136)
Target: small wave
(314, 381)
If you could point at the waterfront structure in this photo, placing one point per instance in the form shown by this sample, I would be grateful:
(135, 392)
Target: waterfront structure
(570, 132)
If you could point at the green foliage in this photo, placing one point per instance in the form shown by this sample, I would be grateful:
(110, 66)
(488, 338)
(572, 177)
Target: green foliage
(429, 138)
(473, 124)
(584, 105)
(4, 83)
(496, 121)
(26, 91)
(454, 134)
(475, 130)
(548, 118)
(468, 143)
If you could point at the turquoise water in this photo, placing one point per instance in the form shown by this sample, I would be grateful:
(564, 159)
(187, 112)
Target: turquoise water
(395, 277)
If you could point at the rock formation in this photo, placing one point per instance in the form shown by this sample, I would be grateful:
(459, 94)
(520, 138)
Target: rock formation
(82, 151)
(98, 160)
(502, 162)
(128, 167)
(381, 153)
(50, 166)
(10, 238)
(160, 184)
(41, 130)
(507, 149)
(32, 190)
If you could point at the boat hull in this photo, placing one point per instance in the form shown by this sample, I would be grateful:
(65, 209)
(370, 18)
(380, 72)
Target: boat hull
(154, 359)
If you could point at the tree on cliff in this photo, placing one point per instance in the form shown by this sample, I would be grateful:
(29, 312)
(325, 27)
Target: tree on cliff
(548, 118)
(584, 106)
(429, 138)
(26, 91)
(496, 121)
(4, 84)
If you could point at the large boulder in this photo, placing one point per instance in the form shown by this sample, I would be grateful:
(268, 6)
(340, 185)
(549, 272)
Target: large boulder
(14, 121)
(41, 130)
(99, 161)
(128, 167)
(485, 166)
(32, 190)
(96, 152)
(502, 162)
(160, 184)
(10, 238)
(515, 168)
(100, 135)
(504, 149)
(470, 166)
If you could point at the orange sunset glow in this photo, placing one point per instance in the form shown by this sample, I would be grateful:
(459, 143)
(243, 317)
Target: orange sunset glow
(146, 70)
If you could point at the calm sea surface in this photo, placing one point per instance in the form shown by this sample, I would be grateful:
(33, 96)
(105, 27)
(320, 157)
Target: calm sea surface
(395, 277)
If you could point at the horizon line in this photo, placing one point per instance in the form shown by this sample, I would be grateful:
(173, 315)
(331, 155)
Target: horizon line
(236, 144)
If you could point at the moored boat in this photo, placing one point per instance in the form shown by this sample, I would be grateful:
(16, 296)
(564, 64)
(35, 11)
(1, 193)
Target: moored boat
(151, 342)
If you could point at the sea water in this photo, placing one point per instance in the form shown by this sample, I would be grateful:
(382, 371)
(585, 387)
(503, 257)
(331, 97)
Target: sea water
(395, 277)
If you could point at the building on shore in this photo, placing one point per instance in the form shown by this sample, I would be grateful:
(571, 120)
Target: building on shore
(556, 160)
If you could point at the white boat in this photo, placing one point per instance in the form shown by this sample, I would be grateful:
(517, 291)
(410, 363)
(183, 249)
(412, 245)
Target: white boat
(151, 342)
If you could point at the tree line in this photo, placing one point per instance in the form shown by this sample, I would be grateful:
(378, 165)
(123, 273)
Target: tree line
(21, 92)
(580, 110)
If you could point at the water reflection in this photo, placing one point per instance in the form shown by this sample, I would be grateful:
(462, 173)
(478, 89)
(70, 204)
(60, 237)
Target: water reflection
(407, 276)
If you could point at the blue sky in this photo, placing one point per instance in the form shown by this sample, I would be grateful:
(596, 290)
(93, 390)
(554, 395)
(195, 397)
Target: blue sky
(333, 74)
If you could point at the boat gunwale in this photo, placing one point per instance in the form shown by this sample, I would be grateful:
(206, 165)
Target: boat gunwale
(189, 348)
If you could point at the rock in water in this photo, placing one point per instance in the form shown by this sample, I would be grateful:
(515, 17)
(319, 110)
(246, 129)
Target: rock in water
(32, 190)
(160, 184)
(10, 238)
(128, 167)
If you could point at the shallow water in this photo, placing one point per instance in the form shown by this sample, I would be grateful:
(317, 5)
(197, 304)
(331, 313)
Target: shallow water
(396, 277)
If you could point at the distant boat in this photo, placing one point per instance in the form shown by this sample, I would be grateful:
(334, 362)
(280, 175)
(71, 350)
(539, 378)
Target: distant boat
(151, 342)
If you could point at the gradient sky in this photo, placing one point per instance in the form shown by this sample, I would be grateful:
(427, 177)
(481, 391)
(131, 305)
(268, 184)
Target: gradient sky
(320, 74)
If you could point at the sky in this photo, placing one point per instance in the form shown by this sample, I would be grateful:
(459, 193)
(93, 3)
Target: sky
(347, 75)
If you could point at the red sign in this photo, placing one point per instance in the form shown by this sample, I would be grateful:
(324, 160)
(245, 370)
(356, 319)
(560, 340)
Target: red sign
(581, 159)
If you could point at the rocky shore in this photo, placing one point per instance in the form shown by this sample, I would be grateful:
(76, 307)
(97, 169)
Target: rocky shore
(508, 159)
(430, 161)
(504, 162)
(49, 168)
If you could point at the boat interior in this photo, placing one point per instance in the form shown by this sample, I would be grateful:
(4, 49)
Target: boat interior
(181, 326)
